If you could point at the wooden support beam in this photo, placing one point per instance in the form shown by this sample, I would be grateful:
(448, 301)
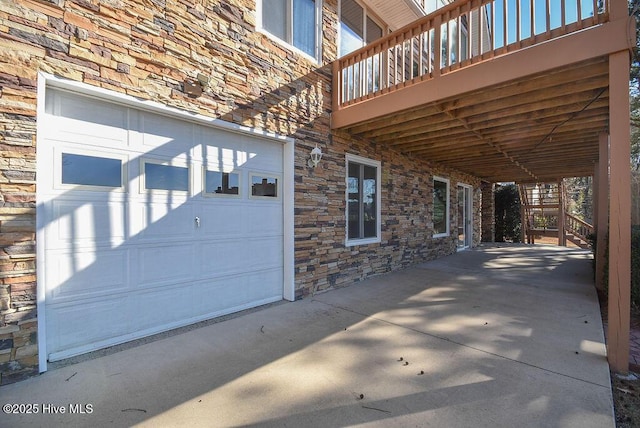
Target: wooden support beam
(619, 214)
(603, 209)
(562, 237)
(594, 190)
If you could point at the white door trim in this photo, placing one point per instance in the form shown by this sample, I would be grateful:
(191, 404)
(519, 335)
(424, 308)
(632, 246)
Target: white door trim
(468, 228)
(46, 81)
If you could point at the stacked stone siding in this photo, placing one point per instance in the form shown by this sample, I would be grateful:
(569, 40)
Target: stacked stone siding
(488, 212)
(150, 50)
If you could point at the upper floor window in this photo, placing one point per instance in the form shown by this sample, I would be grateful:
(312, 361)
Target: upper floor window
(357, 27)
(432, 5)
(296, 22)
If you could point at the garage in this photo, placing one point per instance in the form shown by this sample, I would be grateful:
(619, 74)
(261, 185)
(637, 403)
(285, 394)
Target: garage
(150, 219)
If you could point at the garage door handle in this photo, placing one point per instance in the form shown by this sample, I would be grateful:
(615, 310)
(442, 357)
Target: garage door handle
(197, 221)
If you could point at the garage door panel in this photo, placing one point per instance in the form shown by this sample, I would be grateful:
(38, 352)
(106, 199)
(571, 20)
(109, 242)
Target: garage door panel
(159, 221)
(63, 323)
(87, 222)
(166, 264)
(223, 221)
(265, 285)
(80, 274)
(222, 148)
(72, 134)
(235, 293)
(265, 157)
(85, 117)
(162, 307)
(265, 253)
(223, 258)
(164, 135)
(264, 219)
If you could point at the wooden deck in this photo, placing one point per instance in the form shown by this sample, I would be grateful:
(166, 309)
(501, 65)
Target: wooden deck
(511, 107)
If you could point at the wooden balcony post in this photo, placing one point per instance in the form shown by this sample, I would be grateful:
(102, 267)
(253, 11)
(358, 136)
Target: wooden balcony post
(594, 189)
(602, 203)
(562, 237)
(620, 213)
(337, 86)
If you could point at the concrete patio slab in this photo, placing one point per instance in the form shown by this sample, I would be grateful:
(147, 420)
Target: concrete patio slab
(496, 336)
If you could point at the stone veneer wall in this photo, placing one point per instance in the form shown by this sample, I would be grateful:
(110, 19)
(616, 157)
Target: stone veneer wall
(147, 49)
(488, 212)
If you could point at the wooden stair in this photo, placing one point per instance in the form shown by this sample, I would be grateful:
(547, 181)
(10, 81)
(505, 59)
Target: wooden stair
(543, 214)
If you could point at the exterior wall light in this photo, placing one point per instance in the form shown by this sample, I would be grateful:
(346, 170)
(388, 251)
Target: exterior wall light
(316, 155)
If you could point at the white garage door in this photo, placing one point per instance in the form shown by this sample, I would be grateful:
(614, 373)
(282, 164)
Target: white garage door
(151, 222)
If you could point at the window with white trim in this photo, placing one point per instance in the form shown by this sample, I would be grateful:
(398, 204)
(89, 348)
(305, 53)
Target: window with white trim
(363, 200)
(219, 183)
(357, 26)
(440, 207)
(160, 176)
(264, 186)
(87, 170)
(296, 22)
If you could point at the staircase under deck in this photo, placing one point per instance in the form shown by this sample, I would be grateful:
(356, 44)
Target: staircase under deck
(528, 111)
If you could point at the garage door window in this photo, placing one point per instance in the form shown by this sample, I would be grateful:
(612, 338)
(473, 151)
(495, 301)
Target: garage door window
(91, 170)
(166, 177)
(221, 183)
(264, 186)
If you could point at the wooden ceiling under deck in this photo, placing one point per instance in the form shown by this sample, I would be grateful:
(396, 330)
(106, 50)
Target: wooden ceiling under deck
(537, 128)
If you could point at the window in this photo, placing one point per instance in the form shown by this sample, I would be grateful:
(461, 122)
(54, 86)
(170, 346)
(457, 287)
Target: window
(165, 177)
(264, 186)
(293, 21)
(91, 170)
(440, 207)
(363, 200)
(221, 183)
(357, 27)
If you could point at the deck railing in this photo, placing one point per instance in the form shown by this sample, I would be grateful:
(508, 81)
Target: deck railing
(466, 32)
(577, 227)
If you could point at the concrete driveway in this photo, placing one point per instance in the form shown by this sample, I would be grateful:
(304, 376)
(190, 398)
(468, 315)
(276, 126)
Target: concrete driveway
(497, 336)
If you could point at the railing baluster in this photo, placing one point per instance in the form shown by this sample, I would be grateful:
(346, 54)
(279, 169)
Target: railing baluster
(532, 14)
(518, 19)
(505, 25)
(437, 48)
(420, 51)
(579, 13)
(548, 15)
(493, 26)
(412, 56)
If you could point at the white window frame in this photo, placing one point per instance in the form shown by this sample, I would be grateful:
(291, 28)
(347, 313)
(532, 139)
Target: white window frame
(179, 164)
(467, 229)
(265, 175)
(366, 13)
(57, 170)
(289, 45)
(447, 207)
(206, 194)
(378, 165)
